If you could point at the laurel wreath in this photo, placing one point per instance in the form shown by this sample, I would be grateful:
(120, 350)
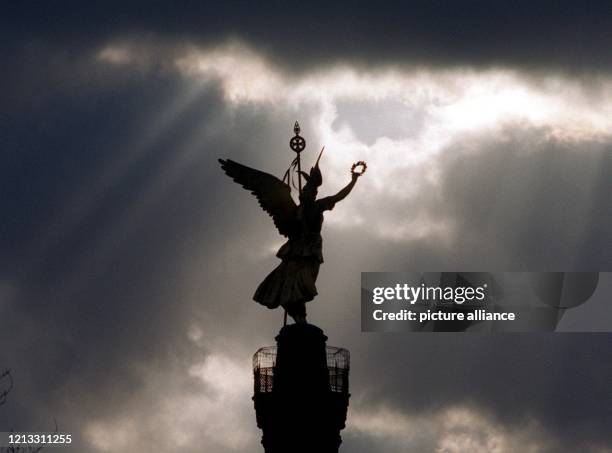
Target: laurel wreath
(361, 164)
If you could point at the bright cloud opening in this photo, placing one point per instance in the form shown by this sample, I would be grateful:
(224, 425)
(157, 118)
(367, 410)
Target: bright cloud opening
(440, 108)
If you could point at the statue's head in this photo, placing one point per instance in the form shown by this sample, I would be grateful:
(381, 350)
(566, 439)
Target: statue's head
(313, 181)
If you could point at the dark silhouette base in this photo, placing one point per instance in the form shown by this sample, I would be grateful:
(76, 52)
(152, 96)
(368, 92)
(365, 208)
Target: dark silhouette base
(304, 411)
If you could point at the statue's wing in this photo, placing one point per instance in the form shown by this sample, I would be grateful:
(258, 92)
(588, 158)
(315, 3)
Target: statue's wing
(274, 195)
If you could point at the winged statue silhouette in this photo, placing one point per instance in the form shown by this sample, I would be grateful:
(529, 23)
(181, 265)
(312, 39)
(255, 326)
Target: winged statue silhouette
(293, 282)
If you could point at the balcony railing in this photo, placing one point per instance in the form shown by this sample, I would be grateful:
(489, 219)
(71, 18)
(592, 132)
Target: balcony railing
(338, 366)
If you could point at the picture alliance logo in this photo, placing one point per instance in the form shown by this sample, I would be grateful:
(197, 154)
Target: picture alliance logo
(428, 294)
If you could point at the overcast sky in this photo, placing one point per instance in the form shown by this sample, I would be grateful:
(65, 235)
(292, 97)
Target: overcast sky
(128, 259)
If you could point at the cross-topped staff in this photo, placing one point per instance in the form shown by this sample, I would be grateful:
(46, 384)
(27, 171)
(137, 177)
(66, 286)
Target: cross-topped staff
(297, 144)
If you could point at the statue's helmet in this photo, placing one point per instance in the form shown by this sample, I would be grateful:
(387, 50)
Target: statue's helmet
(315, 178)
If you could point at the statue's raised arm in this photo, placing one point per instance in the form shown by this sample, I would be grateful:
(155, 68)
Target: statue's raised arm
(328, 203)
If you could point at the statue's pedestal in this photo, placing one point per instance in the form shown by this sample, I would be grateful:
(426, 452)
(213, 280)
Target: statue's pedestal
(301, 392)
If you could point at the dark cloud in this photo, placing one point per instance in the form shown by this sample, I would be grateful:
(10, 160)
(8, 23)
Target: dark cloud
(549, 35)
(536, 202)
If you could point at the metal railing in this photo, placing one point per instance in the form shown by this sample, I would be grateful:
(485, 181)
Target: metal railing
(338, 366)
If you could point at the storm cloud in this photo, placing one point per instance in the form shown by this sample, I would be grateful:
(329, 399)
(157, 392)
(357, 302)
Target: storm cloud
(547, 35)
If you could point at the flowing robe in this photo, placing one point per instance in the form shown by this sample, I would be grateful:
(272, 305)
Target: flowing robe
(293, 282)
